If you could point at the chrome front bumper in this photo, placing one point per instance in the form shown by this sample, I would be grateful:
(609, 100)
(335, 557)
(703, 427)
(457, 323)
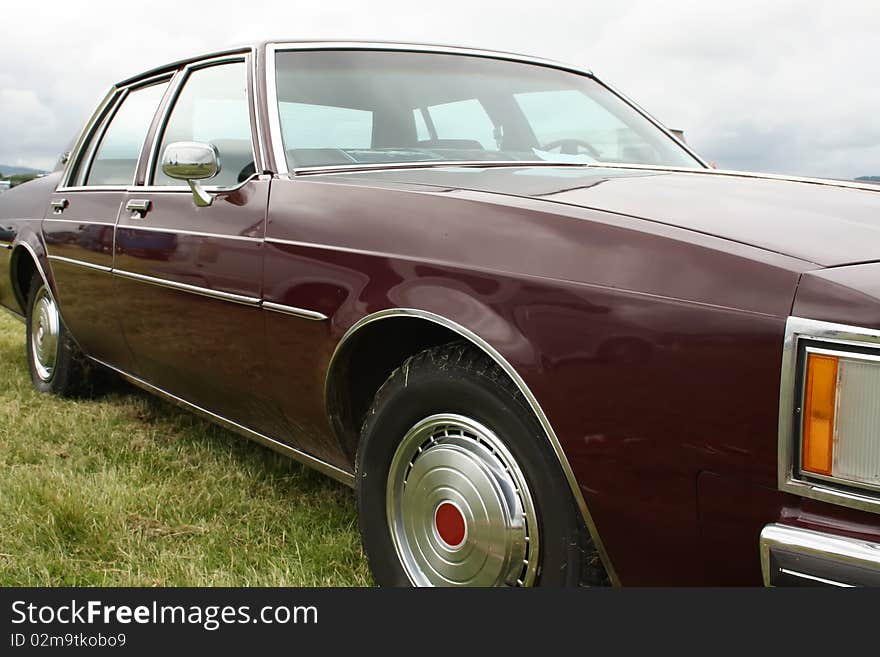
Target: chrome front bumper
(801, 557)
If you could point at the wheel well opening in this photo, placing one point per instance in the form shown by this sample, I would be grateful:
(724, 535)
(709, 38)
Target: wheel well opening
(22, 271)
(365, 361)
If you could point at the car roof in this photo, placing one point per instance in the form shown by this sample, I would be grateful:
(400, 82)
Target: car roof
(322, 44)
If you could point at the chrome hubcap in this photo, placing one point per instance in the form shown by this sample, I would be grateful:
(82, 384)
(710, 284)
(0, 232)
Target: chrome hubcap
(458, 507)
(44, 334)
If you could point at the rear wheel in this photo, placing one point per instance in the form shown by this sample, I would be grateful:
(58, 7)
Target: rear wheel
(457, 485)
(56, 364)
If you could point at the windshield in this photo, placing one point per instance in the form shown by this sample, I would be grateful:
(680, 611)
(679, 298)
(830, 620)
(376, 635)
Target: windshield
(355, 107)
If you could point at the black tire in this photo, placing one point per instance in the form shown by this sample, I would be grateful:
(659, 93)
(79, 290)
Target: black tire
(457, 378)
(71, 375)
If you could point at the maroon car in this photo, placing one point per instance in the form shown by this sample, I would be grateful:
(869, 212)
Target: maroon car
(545, 343)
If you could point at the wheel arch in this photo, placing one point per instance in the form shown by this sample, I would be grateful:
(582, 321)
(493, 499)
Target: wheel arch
(383, 326)
(23, 263)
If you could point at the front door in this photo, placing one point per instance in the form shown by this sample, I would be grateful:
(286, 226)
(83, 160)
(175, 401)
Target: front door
(79, 224)
(191, 276)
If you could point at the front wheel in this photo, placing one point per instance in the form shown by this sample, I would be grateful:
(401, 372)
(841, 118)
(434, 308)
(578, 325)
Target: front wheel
(457, 484)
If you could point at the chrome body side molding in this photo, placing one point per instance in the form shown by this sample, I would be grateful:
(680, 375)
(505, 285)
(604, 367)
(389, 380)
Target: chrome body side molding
(490, 351)
(789, 478)
(302, 313)
(79, 263)
(192, 289)
(192, 233)
(338, 474)
(256, 302)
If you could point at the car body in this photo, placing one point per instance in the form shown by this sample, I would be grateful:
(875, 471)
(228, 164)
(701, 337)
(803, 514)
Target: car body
(654, 316)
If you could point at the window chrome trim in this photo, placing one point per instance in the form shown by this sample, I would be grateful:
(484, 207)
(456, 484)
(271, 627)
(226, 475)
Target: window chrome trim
(138, 189)
(791, 392)
(302, 313)
(476, 164)
(260, 163)
(95, 188)
(98, 137)
(180, 81)
(186, 287)
(277, 143)
(336, 473)
(272, 49)
(106, 109)
(80, 263)
(650, 117)
(84, 136)
(440, 164)
(171, 67)
(172, 94)
(508, 369)
(730, 173)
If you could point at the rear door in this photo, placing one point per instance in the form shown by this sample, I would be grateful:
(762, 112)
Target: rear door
(191, 276)
(80, 222)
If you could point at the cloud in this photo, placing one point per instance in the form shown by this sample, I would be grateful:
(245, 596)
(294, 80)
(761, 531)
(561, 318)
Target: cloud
(783, 86)
(27, 122)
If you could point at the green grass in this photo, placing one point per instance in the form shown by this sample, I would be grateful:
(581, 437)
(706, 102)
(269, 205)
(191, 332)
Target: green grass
(127, 490)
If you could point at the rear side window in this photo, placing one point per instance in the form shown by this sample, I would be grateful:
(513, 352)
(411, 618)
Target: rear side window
(213, 108)
(464, 124)
(119, 149)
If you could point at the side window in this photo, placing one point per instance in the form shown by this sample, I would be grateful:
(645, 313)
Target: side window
(117, 154)
(213, 108)
(463, 124)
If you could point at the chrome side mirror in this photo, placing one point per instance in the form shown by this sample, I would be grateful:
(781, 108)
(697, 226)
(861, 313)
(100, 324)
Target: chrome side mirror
(192, 161)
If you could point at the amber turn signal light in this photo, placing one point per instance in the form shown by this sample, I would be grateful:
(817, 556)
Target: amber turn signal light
(820, 401)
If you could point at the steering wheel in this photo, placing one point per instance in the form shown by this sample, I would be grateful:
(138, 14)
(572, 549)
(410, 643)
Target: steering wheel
(570, 147)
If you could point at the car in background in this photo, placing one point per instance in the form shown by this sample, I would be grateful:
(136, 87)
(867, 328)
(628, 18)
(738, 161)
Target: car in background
(544, 341)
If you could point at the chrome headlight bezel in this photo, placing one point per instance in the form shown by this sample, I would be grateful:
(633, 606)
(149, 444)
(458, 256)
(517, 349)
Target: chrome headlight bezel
(803, 336)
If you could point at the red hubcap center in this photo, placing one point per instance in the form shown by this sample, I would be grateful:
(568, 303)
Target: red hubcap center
(450, 524)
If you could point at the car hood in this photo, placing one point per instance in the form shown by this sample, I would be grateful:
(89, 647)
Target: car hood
(819, 222)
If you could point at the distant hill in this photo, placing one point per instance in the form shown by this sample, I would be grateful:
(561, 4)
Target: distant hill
(872, 179)
(9, 170)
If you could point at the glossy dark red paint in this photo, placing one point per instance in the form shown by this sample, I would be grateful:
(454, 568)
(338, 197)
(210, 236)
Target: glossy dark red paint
(207, 351)
(644, 309)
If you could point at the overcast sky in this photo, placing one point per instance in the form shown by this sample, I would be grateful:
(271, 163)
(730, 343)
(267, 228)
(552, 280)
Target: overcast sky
(775, 86)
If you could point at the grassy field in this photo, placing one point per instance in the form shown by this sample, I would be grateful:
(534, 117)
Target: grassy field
(127, 490)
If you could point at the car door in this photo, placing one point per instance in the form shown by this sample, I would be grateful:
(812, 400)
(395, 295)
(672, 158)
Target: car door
(80, 222)
(191, 276)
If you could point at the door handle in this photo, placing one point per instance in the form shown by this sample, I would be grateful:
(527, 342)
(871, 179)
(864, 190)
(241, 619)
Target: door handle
(58, 205)
(141, 206)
